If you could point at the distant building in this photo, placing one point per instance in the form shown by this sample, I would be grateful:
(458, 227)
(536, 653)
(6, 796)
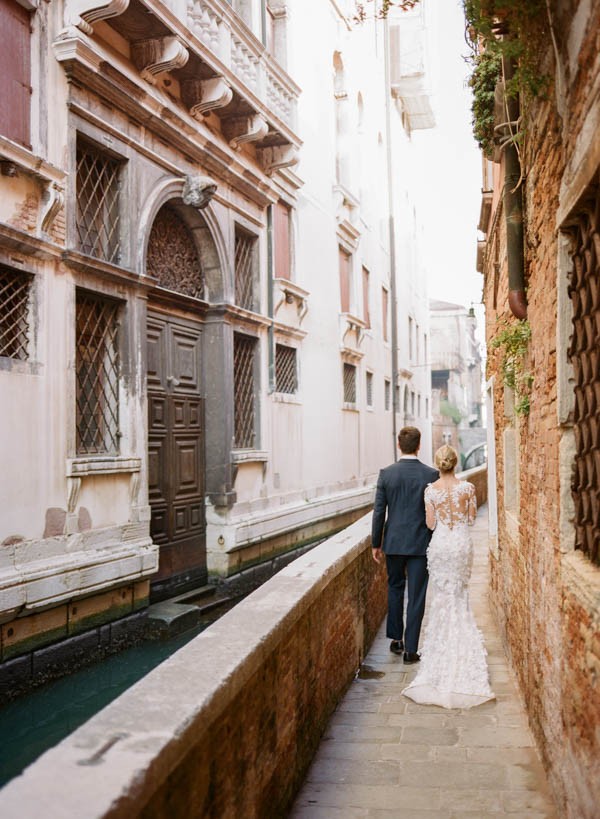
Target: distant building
(456, 386)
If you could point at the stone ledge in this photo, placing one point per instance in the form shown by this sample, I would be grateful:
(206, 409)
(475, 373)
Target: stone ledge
(284, 655)
(582, 579)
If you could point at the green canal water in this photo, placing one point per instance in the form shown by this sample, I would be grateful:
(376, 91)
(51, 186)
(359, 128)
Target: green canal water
(39, 720)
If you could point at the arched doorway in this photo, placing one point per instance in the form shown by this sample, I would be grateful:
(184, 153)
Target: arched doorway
(176, 430)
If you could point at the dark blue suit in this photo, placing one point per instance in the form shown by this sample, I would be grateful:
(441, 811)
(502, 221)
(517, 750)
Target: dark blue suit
(404, 538)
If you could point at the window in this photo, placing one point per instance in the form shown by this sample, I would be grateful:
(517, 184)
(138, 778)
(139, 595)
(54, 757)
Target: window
(417, 345)
(344, 280)
(286, 369)
(245, 265)
(244, 391)
(365, 283)
(281, 229)
(412, 404)
(418, 406)
(425, 350)
(349, 384)
(98, 217)
(369, 389)
(15, 72)
(384, 311)
(427, 408)
(398, 398)
(387, 390)
(97, 368)
(410, 340)
(15, 303)
(584, 287)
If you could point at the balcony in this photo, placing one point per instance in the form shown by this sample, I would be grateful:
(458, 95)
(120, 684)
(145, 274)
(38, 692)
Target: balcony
(200, 61)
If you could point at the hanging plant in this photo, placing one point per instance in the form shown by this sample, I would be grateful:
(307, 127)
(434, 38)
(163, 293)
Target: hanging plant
(513, 341)
(380, 9)
(486, 75)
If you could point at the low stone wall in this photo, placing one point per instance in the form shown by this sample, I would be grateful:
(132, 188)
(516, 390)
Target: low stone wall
(228, 725)
(478, 476)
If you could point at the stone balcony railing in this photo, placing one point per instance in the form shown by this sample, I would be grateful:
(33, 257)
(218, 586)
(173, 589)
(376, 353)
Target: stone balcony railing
(220, 66)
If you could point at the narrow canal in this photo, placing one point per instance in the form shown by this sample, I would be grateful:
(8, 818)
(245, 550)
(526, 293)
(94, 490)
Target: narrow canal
(40, 719)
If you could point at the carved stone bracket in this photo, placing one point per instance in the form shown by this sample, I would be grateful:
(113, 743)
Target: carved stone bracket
(279, 157)
(73, 490)
(158, 55)
(240, 130)
(198, 190)
(53, 200)
(290, 292)
(84, 13)
(203, 96)
(352, 331)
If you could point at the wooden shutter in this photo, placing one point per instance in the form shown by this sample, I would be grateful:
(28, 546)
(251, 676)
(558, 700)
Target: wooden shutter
(282, 240)
(344, 281)
(15, 72)
(384, 310)
(365, 283)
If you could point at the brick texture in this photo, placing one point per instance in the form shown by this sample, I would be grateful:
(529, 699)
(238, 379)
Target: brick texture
(552, 633)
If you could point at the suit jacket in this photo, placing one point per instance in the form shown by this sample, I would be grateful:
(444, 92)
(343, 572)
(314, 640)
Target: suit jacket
(400, 490)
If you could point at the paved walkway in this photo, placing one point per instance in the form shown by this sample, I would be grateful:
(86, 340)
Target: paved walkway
(385, 756)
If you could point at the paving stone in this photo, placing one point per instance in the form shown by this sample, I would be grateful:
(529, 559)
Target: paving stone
(349, 750)
(495, 737)
(370, 796)
(431, 736)
(342, 771)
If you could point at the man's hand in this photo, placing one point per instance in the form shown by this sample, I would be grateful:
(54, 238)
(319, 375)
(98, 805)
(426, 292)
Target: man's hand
(377, 555)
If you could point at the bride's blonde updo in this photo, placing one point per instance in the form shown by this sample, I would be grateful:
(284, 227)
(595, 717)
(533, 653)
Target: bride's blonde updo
(446, 458)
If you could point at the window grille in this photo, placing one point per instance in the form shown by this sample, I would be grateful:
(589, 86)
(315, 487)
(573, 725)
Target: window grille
(398, 404)
(172, 258)
(369, 390)
(388, 393)
(244, 349)
(584, 291)
(286, 370)
(244, 269)
(97, 365)
(349, 384)
(15, 295)
(98, 218)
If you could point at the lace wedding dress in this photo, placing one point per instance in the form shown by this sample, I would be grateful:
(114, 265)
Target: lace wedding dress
(453, 669)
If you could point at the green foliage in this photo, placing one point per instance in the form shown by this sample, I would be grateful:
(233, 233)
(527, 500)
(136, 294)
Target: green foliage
(450, 411)
(513, 341)
(380, 8)
(517, 31)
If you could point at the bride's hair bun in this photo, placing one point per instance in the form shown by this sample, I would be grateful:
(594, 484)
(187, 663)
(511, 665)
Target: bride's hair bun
(446, 458)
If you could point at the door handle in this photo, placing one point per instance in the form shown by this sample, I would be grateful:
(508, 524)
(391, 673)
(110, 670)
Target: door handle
(172, 381)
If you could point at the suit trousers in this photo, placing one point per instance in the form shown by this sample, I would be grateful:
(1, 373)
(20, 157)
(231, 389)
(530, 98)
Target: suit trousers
(403, 569)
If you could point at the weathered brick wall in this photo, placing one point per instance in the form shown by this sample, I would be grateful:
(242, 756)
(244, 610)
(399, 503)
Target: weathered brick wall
(549, 617)
(228, 725)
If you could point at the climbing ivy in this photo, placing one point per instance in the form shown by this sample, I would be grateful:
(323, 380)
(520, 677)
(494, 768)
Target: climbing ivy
(485, 76)
(513, 341)
(380, 9)
(450, 411)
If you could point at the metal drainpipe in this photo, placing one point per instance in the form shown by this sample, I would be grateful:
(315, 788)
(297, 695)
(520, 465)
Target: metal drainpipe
(270, 266)
(392, 231)
(513, 209)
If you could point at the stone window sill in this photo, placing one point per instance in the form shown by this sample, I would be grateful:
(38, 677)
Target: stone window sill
(102, 465)
(242, 456)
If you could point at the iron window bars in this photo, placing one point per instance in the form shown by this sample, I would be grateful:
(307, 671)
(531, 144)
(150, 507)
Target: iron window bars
(245, 250)
(286, 369)
(15, 300)
(244, 350)
(349, 383)
(98, 217)
(97, 368)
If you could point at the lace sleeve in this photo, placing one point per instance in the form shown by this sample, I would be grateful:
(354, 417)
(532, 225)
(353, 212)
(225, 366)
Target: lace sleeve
(472, 511)
(430, 518)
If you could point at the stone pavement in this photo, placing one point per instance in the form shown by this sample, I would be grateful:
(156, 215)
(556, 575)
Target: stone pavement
(384, 756)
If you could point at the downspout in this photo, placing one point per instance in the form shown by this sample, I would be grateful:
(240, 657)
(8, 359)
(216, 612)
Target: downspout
(513, 205)
(270, 277)
(392, 232)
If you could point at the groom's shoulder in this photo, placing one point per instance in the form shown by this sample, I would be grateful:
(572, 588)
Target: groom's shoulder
(430, 471)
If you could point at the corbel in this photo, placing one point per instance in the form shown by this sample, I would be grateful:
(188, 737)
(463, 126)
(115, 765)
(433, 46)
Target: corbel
(198, 190)
(278, 157)
(73, 490)
(84, 13)
(203, 96)
(240, 130)
(53, 200)
(158, 55)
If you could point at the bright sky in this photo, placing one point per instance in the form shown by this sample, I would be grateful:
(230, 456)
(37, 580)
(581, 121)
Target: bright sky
(451, 189)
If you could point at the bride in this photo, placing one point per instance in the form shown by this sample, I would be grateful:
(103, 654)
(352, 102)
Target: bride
(453, 671)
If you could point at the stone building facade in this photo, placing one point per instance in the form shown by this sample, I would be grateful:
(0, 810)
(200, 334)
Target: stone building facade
(544, 463)
(456, 385)
(196, 308)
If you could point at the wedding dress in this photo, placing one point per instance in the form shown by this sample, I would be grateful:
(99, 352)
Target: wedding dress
(453, 669)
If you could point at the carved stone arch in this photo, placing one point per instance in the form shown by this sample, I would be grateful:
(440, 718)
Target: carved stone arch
(202, 226)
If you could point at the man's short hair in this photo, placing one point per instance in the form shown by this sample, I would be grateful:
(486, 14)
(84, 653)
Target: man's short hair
(409, 439)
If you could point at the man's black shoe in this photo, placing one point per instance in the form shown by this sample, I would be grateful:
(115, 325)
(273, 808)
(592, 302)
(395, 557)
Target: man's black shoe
(396, 646)
(411, 657)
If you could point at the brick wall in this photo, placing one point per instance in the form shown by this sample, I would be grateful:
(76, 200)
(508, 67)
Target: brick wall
(228, 725)
(547, 599)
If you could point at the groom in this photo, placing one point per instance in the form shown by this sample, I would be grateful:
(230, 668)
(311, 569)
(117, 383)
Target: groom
(400, 490)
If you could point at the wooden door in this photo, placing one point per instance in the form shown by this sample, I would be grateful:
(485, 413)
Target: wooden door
(176, 452)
